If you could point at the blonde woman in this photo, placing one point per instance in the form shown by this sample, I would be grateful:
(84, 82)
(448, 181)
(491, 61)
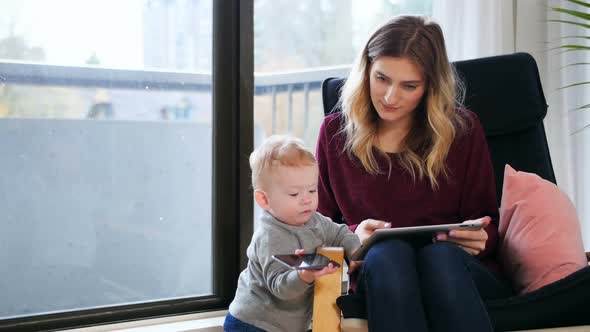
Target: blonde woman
(403, 152)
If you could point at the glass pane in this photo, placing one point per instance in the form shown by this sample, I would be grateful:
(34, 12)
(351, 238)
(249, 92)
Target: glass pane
(293, 56)
(320, 33)
(106, 151)
(130, 34)
(320, 39)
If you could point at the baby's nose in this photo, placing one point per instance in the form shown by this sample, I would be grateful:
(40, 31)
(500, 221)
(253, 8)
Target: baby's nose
(306, 199)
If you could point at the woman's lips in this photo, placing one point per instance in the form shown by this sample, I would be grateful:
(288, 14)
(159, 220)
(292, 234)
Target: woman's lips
(390, 108)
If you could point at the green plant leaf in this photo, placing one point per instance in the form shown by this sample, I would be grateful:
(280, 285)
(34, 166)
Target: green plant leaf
(575, 37)
(579, 108)
(568, 48)
(587, 26)
(581, 129)
(575, 64)
(574, 13)
(566, 37)
(581, 19)
(572, 85)
(581, 3)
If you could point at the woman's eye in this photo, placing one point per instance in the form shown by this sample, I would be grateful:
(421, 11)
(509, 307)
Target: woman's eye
(380, 78)
(411, 87)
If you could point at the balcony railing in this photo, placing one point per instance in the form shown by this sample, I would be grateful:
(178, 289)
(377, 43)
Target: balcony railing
(41, 75)
(290, 82)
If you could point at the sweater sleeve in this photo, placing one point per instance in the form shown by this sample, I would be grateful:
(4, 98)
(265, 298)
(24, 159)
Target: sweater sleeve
(281, 282)
(340, 236)
(479, 190)
(327, 204)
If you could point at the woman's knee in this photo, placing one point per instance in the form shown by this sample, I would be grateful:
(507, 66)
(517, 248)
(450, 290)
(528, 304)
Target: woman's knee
(389, 271)
(441, 256)
(389, 253)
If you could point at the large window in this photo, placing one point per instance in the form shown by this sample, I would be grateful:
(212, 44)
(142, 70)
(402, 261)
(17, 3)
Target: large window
(111, 172)
(125, 132)
(292, 57)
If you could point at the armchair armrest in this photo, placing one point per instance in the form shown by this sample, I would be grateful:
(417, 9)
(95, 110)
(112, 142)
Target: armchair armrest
(327, 288)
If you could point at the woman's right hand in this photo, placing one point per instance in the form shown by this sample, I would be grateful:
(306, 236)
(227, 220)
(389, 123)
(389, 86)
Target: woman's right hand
(368, 226)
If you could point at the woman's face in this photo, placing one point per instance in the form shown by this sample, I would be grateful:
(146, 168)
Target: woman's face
(397, 86)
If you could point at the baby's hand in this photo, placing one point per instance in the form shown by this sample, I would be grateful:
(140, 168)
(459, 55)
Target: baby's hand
(309, 275)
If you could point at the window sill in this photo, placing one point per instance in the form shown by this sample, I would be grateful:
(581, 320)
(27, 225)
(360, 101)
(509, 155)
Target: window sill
(201, 322)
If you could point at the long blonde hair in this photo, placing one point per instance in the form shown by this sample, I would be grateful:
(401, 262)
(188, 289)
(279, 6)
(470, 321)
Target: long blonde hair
(436, 121)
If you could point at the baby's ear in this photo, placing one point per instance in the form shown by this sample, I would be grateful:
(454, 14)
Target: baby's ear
(261, 199)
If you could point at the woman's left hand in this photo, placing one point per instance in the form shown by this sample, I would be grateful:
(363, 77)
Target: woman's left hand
(472, 241)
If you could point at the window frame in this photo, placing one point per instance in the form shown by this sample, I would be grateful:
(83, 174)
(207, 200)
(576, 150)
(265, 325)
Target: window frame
(232, 208)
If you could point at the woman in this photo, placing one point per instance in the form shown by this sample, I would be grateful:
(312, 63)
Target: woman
(404, 152)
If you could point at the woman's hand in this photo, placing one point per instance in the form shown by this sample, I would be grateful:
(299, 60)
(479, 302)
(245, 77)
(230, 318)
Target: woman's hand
(368, 226)
(472, 241)
(354, 265)
(309, 276)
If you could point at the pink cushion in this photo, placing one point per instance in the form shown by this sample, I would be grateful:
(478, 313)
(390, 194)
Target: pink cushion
(540, 238)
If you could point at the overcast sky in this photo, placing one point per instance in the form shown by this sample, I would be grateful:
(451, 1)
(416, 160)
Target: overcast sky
(71, 30)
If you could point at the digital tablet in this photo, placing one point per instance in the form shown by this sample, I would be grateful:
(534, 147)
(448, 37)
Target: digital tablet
(409, 232)
(305, 261)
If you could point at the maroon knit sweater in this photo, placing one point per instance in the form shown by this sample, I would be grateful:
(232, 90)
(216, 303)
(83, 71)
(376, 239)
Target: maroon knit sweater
(347, 193)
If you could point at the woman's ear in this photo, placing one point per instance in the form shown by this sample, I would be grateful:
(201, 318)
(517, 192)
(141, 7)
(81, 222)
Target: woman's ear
(261, 199)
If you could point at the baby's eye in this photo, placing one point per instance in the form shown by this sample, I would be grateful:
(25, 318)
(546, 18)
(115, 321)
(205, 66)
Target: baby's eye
(312, 191)
(293, 195)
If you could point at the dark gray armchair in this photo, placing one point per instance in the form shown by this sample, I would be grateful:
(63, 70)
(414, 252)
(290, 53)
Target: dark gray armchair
(505, 91)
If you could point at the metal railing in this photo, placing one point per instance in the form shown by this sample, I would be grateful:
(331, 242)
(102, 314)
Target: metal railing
(306, 81)
(290, 82)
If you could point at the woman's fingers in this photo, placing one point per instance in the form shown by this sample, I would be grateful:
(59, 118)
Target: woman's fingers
(470, 251)
(471, 244)
(373, 224)
(461, 236)
(476, 235)
(368, 226)
(472, 241)
(354, 265)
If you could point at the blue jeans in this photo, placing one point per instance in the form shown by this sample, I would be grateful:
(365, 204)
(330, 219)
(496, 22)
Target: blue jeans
(427, 287)
(232, 324)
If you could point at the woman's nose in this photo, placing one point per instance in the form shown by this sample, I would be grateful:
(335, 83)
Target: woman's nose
(391, 95)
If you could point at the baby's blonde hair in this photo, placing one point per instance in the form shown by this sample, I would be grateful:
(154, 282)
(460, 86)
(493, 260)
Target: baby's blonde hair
(278, 150)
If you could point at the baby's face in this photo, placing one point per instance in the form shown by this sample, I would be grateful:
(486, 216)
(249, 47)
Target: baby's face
(293, 194)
